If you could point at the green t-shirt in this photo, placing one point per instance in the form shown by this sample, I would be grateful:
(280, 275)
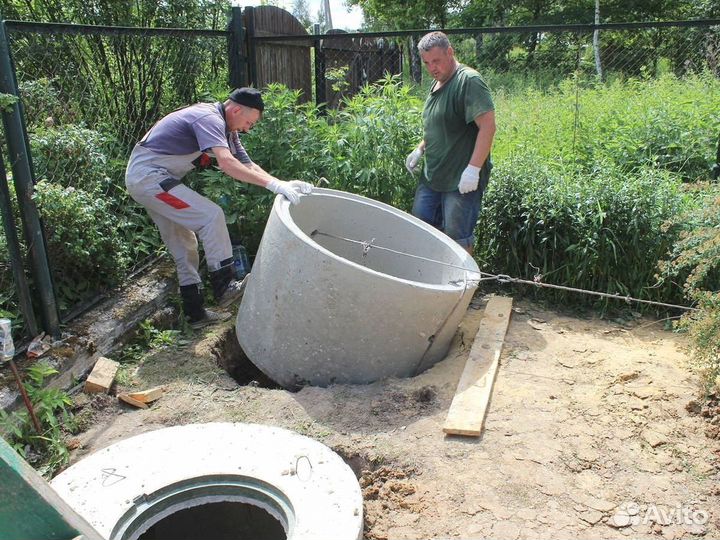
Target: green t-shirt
(450, 129)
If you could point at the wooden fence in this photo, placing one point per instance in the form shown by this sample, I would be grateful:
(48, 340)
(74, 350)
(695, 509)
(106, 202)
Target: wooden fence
(340, 65)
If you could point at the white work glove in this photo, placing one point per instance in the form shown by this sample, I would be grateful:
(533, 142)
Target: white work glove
(303, 187)
(469, 179)
(290, 190)
(412, 161)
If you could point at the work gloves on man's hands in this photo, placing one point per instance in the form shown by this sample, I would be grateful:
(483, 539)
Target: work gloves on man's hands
(469, 179)
(290, 190)
(413, 160)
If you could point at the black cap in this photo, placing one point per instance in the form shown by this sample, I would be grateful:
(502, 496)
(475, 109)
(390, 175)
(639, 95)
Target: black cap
(250, 97)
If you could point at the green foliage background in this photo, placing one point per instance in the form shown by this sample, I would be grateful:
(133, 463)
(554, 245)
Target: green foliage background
(579, 200)
(586, 172)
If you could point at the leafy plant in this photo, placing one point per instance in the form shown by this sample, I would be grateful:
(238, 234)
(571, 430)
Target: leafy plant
(338, 78)
(7, 101)
(369, 138)
(360, 148)
(46, 450)
(41, 103)
(694, 262)
(599, 231)
(155, 338)
(72, 156)
(84, 242)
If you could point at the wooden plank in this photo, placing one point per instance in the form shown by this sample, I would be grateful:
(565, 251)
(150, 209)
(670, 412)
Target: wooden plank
(147, 396)
(469, 406)
(102, 376)
(132, 401)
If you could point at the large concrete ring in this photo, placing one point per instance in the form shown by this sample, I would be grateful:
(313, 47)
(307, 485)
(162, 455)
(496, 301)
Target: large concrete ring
(277, 478)
(345, 289)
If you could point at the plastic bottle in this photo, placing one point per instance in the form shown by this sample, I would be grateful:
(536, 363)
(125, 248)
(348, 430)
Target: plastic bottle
(241, 263)
(8, 347)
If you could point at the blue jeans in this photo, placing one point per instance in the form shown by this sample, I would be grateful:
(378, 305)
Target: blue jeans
(454, 214)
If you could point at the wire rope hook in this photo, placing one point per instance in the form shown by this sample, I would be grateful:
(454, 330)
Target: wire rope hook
(366, 248)
(537, 278)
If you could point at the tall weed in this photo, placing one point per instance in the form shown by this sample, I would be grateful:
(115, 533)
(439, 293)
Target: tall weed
(694, 263)
(600, 231)
(667, 123)
(360, 148)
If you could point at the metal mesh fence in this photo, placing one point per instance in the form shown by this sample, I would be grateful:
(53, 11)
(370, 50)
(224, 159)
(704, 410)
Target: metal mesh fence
(540, 57)
(88, 98)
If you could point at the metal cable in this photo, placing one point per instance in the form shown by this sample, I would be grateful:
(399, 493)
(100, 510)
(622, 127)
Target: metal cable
(367, 245)
(504, 278)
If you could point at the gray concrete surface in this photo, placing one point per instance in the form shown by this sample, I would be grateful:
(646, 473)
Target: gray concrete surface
(128, 487)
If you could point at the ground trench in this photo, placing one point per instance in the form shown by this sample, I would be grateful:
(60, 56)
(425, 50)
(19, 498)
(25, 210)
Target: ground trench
(235, 362)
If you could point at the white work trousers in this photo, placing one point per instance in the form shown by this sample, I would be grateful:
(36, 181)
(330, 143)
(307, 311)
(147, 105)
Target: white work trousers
(181, 214)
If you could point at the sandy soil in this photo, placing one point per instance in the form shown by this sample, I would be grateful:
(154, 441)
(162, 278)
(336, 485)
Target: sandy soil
(590, 433)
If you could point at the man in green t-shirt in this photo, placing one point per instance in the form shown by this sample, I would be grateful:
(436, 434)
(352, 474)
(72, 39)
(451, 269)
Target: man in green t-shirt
(459, 125)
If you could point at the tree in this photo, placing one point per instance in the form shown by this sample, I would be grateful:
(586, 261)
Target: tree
(403, 15)
(123, 80)
(301, 11)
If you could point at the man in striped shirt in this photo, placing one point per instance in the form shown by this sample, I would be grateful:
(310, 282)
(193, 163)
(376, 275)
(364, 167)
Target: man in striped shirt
(174, 146)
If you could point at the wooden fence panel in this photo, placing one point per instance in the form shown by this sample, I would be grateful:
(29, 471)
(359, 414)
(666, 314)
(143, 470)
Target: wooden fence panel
(286, 62)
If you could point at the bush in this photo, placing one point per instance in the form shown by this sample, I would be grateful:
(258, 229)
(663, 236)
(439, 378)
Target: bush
(41, 103)
(599, 231)
(369, 139)
(85, 247)
(46, 451)
(694, 262)
(360, 148)
(72, 156)
(290, 140)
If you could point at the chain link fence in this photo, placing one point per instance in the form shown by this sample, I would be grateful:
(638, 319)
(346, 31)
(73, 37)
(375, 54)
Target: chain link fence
(538, 56)
(89, 94)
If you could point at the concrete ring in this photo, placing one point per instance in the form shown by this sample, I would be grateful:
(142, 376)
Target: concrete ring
(221, 478)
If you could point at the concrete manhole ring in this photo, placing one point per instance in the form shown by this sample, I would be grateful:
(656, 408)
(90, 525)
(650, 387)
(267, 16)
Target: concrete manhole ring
(367, 292)
(217, 480)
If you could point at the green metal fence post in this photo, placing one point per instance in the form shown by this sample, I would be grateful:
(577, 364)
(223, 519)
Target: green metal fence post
(19, 153)
(238, 62)
(13, 245)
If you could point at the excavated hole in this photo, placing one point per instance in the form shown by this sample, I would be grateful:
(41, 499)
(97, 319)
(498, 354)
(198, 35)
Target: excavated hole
(218, 520)
(358, 463)
(233, 359)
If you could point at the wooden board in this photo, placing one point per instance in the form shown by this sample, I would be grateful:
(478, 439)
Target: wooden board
(102, 376)
(467, 410)
(147, 396)
(132, 401)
